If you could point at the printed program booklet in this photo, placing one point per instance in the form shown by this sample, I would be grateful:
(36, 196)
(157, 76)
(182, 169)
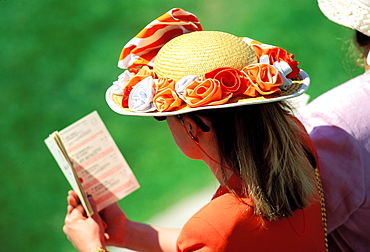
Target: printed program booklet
(92, 162)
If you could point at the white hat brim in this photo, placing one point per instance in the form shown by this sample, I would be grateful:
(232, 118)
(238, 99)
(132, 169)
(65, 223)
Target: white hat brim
(354, 14)
(303, 88)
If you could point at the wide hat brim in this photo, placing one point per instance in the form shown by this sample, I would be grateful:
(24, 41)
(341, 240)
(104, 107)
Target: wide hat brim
(354, 14)
(296, 89)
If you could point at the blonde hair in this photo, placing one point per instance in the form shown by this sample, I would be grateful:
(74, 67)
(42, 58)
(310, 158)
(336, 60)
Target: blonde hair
(265, 147)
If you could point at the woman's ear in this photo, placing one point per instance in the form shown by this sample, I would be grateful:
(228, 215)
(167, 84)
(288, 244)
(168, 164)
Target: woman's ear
(191, 128)
(196, 127)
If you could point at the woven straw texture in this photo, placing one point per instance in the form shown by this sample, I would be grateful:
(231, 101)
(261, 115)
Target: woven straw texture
(200, 52)
(354, 14)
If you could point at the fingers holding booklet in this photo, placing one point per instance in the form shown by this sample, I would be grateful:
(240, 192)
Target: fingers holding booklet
(92, 163)
(105, 228)
(79, 227)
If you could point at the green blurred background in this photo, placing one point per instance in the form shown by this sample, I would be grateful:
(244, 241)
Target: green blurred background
(57, 59)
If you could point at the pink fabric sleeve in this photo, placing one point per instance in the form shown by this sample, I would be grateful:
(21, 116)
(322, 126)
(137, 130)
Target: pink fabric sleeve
(341, 168)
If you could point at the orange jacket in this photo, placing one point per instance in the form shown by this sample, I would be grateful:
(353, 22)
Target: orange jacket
(228, 225)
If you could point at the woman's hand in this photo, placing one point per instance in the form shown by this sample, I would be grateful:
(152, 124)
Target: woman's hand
(111, 227)
(85, 233)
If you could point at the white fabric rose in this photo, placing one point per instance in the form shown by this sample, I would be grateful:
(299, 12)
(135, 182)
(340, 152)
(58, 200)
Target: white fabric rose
(117, 87)
(284, 69)
(141, 96)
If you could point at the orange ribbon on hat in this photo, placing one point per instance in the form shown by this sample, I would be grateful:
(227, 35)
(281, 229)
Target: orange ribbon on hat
(142, 49)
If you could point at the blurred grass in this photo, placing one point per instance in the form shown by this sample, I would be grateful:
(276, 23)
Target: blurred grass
(57, 59)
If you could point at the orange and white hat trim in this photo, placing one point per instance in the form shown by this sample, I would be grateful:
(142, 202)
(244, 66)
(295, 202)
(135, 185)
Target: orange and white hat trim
(173, 67)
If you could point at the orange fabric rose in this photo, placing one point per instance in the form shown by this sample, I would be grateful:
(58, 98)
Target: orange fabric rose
(231, 79)
(205, 92)
(142, 74)
(277, 54)
(264, 79)
(163, 83)
(166, 100)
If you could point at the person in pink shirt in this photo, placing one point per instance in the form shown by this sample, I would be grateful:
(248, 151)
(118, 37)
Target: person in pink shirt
(339, 124)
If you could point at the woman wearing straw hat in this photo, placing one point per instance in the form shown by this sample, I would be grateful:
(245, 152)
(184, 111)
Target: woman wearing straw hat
(339, 125)
(222, 97)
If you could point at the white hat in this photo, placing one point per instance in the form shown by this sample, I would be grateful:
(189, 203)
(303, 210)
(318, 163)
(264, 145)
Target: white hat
(354, 14)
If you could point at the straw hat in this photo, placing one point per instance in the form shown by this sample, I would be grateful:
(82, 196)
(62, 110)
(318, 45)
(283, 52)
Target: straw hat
(200, 52)
(354, 14)
(204, 70)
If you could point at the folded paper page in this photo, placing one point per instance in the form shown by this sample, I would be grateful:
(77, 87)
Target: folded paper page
(92, 162)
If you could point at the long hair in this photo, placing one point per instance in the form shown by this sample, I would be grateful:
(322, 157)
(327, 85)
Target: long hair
(264, 147)
(363, 42)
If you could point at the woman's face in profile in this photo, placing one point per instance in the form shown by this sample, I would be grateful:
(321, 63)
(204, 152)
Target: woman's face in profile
(181, 137)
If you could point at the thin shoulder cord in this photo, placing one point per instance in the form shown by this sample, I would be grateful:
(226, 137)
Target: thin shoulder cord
(323, 212)
(304, 224)
(323, 207)
(197, 144)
